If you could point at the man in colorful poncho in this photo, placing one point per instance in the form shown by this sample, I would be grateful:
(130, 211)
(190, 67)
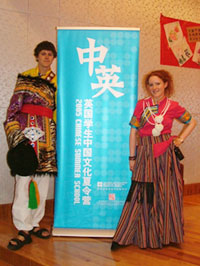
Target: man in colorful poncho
(30, 124)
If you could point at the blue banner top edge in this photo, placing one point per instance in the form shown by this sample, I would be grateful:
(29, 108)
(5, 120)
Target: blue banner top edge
(97, 28)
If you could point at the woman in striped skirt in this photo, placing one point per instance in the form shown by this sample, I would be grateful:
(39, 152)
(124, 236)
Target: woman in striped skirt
(152, 215)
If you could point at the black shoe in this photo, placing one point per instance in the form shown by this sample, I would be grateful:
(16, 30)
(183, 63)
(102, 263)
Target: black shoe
(39, 232)
(115, 246)
(15, 243)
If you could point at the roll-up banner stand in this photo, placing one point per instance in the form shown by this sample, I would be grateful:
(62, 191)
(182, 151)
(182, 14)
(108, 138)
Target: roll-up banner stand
(97, 92)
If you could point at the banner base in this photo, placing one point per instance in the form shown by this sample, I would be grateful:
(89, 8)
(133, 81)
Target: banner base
(83, 232)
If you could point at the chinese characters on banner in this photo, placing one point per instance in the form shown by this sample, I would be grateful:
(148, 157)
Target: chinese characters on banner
(179, 43)
(97, 92)
(85, 111)
(108, 78)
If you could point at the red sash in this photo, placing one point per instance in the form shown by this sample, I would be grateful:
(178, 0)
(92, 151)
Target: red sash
(37, 110)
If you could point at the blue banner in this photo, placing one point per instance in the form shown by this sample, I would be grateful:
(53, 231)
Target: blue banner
(97, 92)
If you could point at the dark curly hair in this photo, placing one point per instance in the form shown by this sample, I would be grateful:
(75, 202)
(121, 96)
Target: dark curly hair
(45, 45)
(165, 76)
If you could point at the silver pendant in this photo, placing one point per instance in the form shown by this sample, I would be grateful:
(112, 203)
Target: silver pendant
(159, 119)
(155, 132)
(159, 127)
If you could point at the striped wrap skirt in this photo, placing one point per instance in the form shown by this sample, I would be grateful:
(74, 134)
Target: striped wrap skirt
(152, 215)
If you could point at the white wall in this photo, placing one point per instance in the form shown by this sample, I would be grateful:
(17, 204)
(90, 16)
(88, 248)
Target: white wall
(24, 23)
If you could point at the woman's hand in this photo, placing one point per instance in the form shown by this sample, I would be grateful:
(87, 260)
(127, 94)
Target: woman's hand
(186, 131)
(178, 141)
(131, 165)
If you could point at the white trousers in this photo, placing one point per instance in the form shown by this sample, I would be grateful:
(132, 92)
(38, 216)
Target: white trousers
(23, 217)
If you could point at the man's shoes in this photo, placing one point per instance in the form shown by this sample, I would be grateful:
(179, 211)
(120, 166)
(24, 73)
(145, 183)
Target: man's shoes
(16, 243)
(40, 232)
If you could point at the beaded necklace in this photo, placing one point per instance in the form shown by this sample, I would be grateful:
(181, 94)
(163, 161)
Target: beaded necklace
(158, 126)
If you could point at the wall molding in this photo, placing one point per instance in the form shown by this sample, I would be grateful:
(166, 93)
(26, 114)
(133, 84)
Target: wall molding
(191, 189)
(5, 209)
